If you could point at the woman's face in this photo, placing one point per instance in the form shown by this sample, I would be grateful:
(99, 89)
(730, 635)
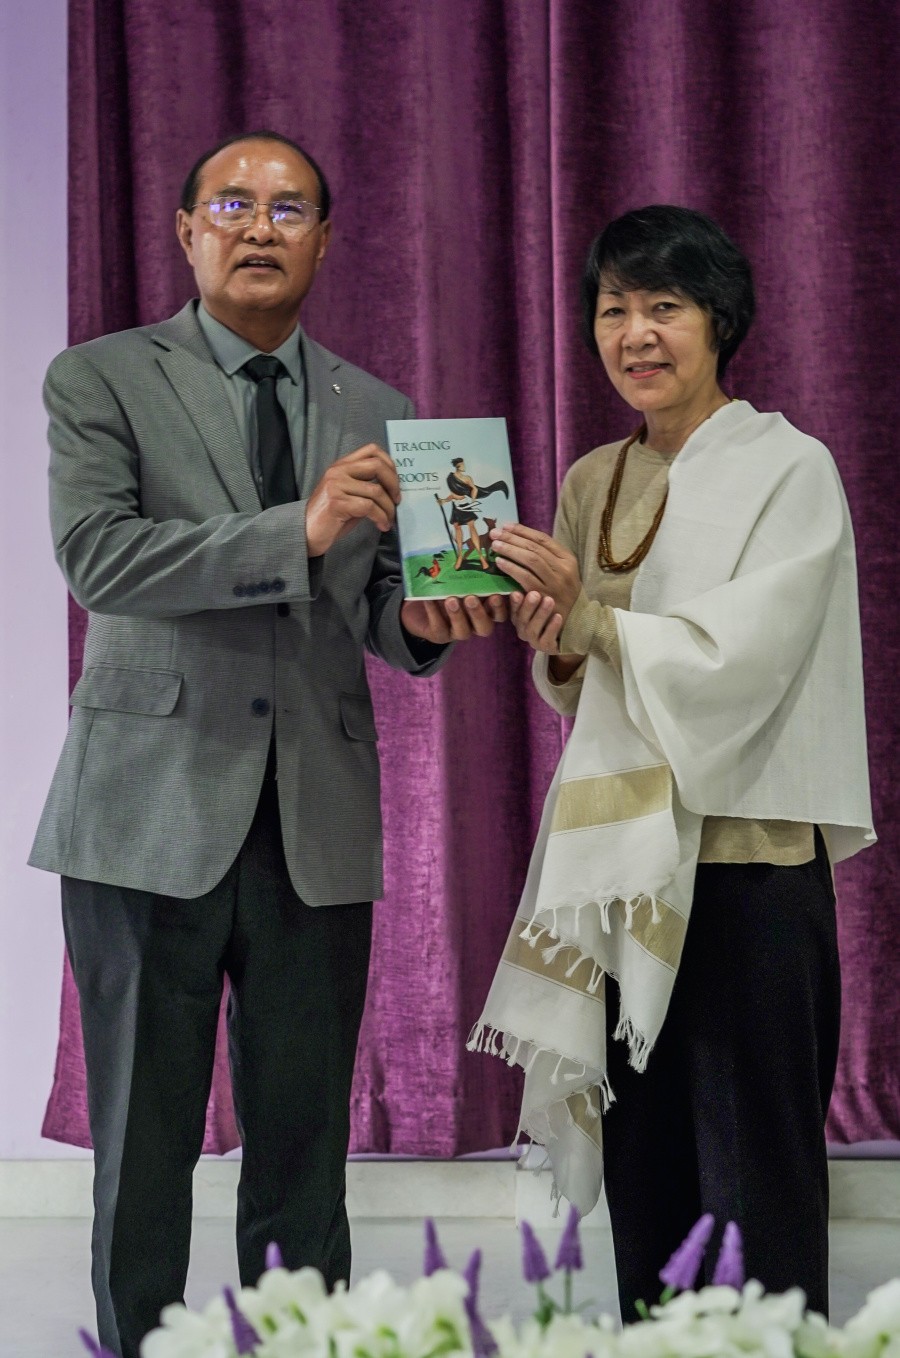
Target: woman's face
(656, 348)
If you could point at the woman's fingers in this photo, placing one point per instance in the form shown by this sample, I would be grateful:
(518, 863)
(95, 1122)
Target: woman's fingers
(536, 562)
(536, 620)
(550, 636)
(528, 536)
(523, 575)
(533, 561)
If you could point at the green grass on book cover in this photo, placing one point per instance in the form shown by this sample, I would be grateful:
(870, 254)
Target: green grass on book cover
(432, 575)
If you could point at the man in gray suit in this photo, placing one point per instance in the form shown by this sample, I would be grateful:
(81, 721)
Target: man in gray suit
(220, 504)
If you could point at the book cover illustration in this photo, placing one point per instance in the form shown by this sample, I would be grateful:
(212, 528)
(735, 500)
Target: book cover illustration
(457, 484)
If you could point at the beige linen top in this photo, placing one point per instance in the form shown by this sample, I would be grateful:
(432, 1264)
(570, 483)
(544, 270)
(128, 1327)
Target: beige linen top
(591, 626)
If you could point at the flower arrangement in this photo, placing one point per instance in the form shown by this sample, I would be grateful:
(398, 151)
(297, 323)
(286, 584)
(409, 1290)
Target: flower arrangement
(291, 1315)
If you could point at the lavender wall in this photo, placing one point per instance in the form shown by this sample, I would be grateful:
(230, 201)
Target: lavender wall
(33, 660)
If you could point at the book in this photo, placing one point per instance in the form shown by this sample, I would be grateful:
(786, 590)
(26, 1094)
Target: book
(456, 485)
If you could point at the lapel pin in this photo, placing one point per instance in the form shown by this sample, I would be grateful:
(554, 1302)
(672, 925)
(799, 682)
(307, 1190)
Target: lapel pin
(335, 388)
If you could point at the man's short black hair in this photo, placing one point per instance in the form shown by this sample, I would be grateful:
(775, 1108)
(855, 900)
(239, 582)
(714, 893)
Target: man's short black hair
(458, 461)
(192, 183)
(666, 248)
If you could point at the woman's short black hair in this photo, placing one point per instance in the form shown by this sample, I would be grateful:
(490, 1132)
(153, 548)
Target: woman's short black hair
(192, 183)
(663, 248)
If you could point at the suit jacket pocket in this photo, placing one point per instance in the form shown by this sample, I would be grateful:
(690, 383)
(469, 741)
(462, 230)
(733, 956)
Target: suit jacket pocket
(357, 716)
(152, 693)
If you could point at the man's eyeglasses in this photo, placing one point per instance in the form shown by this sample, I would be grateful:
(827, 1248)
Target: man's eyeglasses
(294, 216)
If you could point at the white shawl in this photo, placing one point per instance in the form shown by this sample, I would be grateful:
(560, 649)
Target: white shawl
(741, 695)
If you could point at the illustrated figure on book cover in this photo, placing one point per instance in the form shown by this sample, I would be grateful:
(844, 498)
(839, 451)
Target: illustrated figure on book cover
(466, 498)
(450, 471)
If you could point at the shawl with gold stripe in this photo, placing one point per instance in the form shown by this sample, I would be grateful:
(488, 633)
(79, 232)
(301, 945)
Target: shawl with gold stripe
(741, 695)
(608, 893)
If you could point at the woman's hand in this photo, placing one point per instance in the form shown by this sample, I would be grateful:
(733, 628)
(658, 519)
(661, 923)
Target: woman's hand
(541, 566)
(536, 620)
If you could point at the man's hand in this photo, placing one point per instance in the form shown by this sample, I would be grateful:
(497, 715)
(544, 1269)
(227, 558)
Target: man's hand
(443, 620)
(540, 565)
(362, 485)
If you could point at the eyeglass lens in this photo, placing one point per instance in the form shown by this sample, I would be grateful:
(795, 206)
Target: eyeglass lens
(289, 215)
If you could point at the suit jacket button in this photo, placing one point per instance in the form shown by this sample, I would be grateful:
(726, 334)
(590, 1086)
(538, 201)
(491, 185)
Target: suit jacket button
(239, 591)
(251, 591)
(283, 610)
(260, 707)
(278, 585)
(263, 587)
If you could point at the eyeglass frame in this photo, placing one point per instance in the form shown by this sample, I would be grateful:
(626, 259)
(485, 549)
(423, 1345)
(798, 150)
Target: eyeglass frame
(254, 211)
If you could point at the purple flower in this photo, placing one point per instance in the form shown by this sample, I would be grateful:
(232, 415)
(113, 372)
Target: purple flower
(273, 1256)
(245, 1337)
(730, 1263)
(680, 1273)
(434, 1255)
(568, 1256)
(534, 1262)
(90, 1343)
(472, 1275)
(483, 1342)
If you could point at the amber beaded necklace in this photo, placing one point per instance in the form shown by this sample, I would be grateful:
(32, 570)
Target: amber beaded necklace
(605, 559)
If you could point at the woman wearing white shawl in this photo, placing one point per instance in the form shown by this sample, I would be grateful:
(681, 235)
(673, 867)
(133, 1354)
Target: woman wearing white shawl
(674, 957)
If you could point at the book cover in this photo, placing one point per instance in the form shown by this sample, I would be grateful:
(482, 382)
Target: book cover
(457, 484)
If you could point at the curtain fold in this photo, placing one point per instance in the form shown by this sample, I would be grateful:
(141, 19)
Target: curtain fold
(474, 149)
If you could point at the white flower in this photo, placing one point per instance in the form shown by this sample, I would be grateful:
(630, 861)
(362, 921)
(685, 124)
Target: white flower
(719, 1322)
(816, 1339)
(564, 1337)
(291, 1308)
(185, 1334)
(874, 1332)
(379, 1319)
(295, 1317)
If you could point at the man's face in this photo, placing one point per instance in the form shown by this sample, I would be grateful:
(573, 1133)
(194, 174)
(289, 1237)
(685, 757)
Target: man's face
(257, 268)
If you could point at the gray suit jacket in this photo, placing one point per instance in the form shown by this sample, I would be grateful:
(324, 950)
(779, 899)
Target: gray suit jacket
(189, 659)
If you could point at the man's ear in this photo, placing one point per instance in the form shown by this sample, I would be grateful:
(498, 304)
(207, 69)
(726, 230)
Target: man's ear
(323, 243)
(184, 232)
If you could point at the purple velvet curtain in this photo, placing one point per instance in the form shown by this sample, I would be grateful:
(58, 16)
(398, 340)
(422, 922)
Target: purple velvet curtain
(474, 148)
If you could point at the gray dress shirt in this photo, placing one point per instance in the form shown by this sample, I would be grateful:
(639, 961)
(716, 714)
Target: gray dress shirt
(231, 352)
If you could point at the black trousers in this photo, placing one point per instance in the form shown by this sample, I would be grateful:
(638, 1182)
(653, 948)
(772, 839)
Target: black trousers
(149, 971)
(729, 1115)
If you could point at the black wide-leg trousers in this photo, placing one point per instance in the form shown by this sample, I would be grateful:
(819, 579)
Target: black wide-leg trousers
(149, 971)
(729, 1115)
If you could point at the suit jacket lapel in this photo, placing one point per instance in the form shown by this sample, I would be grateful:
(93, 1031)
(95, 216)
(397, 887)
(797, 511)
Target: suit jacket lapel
(325, 407)
(184, 357)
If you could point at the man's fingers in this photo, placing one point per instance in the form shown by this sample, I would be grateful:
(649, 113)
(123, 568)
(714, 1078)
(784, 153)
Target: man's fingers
(498, 607)
(438, 626)
(457, 617)
(425, 618)
(368, 463)
(365, 500)
(480, 619)
(469, 617)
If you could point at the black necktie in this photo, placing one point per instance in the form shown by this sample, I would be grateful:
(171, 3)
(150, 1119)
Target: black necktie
(276, 460)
